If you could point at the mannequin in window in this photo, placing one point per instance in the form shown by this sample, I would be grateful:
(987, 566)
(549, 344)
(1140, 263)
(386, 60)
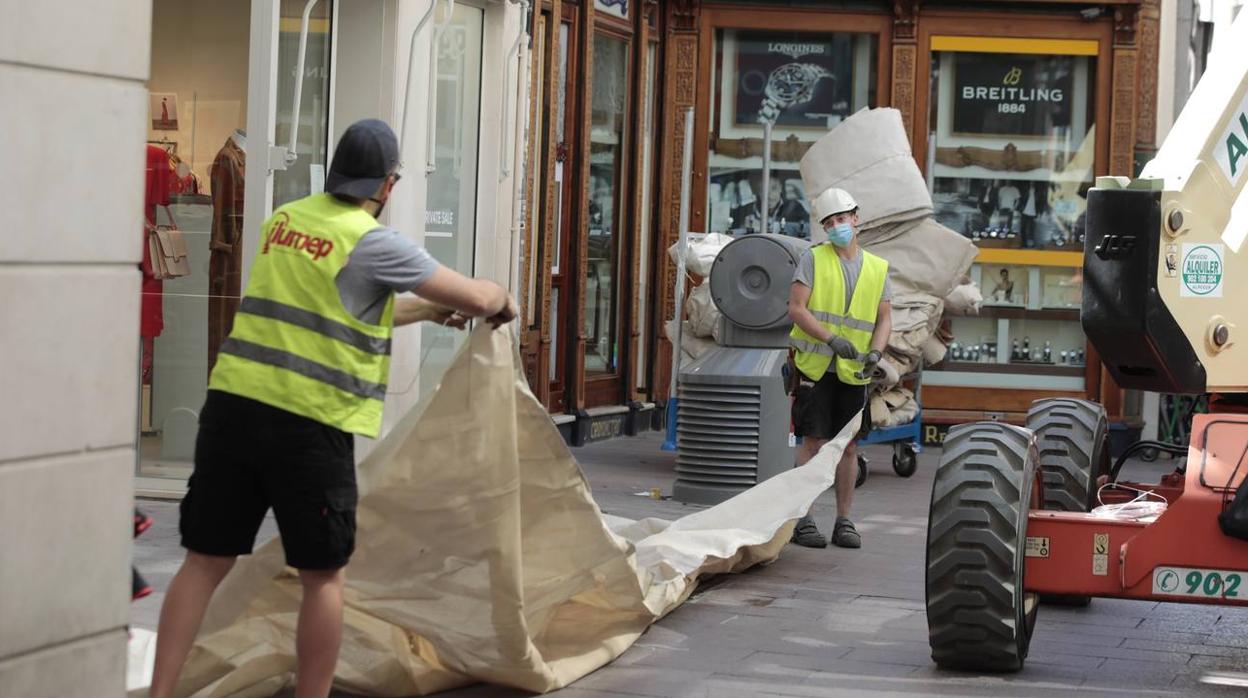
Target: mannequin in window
(1004, 289)
(225, 262)
(1007, 203)
(1033, 204)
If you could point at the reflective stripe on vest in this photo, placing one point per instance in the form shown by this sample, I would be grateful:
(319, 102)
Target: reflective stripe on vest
(827, 305)
(293, 344)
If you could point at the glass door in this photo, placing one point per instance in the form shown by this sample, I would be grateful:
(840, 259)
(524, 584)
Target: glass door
(560, 271)
(451, 209)
(223, 150)
(608, 148)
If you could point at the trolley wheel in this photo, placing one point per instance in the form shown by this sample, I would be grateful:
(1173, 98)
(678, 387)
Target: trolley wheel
(905, 460)
(1148, 455)
(979, 618)
(862, 471)
(1071, 437)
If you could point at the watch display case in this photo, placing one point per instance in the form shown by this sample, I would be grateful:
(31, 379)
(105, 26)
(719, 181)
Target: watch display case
(1027, 335)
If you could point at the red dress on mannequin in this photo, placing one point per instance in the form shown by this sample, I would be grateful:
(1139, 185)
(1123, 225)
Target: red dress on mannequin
(160, 180)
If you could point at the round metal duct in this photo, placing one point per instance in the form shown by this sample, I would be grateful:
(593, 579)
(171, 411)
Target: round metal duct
(751, 277)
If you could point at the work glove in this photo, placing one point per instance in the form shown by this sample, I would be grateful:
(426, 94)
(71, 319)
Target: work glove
(872, 358)
(842, 347)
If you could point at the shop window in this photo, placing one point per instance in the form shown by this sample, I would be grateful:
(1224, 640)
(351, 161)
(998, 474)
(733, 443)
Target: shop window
(606, 165)
(1013, 145)
(451, 203)
(804, 83)
(196, 179)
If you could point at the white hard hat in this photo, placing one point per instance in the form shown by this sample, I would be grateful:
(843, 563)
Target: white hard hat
(831, 202)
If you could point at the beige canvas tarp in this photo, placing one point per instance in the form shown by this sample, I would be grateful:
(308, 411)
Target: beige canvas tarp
(482, 556)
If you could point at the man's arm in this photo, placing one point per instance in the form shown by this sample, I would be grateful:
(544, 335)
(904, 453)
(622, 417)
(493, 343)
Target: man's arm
(799, 296)
(410, 309)
(471, 297)
(883, 326)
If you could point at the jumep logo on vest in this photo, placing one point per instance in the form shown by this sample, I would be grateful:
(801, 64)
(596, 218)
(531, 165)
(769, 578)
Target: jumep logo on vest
(283, 236)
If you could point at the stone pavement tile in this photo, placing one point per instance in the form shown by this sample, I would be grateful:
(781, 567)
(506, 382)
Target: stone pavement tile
(643, 680)
(1237, 662)
(1061, 657)
(889, 655)
(1089, 616)
(1142, 674)
(1113, 635)
(1183, 625)
(1188, 648)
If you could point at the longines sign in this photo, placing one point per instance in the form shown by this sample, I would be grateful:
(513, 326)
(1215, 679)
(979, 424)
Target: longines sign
(1011, 94)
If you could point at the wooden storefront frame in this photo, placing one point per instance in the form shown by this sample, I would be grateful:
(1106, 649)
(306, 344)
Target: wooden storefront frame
(1108, 115)
(815, 21)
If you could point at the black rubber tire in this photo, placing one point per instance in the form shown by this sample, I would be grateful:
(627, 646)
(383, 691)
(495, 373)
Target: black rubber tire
(861, 477)
(905, 460)
(978, 616)
(1071, 438)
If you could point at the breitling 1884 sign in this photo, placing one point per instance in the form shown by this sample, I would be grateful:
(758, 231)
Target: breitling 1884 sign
(1011, 94)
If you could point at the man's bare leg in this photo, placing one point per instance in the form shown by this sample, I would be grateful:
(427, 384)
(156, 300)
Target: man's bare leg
(320, 631)
(843, 532)
(806, 533)
(181, 614)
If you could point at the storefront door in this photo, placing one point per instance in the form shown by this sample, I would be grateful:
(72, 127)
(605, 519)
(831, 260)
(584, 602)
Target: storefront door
(561, 274)
(226, 143)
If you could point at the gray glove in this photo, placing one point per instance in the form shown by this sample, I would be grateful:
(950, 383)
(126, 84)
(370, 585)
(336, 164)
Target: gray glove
(872, 358)
(842, 347)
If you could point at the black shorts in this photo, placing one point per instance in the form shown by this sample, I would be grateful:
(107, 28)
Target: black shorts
(250, 456)
(821, 409)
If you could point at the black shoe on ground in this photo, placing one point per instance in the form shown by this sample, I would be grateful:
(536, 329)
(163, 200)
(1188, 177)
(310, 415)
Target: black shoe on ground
(807, 534)
(844, 534)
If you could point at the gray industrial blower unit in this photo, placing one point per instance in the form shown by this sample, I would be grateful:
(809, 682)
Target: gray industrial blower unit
(732, 428)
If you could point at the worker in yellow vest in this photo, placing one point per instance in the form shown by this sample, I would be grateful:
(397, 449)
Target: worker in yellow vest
(303, 370)
(840, 304)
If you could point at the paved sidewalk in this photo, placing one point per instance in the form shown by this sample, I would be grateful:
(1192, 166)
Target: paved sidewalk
(839, 622)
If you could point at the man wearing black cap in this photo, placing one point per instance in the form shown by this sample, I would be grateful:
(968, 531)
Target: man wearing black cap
(304, 368)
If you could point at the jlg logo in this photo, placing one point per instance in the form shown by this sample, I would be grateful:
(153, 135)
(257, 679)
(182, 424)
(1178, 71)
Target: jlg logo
(1115, 247)
(283, 236)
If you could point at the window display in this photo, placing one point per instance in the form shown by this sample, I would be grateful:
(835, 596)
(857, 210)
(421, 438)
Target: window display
(1013, 141)
(803, 83)
(1027, 334)
(196, 178)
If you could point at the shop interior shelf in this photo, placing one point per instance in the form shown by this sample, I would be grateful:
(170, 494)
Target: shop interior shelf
(1021, 368)
(1015, 312)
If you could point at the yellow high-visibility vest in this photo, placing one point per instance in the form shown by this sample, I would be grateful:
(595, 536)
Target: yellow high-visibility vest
(827, 304)
(294, 345)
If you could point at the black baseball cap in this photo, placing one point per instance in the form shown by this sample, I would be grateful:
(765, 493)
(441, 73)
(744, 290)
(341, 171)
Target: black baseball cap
(366, 154)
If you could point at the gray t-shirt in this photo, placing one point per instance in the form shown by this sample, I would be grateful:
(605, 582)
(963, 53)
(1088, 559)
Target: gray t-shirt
(382, 262)
(850, 268)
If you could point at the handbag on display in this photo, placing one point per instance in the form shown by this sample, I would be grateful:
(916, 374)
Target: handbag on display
(167, 248)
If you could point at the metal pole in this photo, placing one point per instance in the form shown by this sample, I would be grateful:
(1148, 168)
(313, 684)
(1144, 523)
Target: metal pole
(686, 178)
(765, 206)
(291, 154)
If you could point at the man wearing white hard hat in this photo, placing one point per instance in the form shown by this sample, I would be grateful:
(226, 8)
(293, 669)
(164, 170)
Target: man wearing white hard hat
(841, 311)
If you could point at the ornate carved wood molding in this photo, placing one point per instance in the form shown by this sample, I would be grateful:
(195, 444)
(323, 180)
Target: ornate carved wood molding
(684, 15)
(904, 75)
(905, 20)
(790, 149)
(1146, 97)
(1126, 20)
(680, 86)
(1122, 110)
